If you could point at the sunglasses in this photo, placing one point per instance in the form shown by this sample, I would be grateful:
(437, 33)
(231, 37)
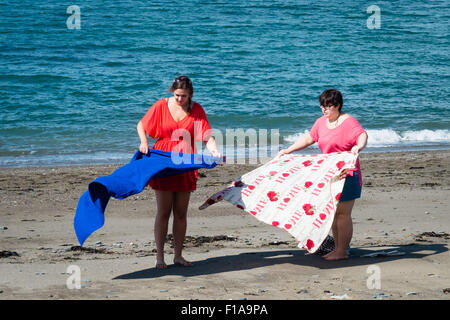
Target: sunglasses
(182, 79)
(327, 107)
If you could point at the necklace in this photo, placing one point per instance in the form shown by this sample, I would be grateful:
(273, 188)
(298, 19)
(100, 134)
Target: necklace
(335, 121)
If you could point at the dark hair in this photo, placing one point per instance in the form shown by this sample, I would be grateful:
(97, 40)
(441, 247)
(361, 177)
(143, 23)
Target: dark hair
(331, 97)
(183, 82)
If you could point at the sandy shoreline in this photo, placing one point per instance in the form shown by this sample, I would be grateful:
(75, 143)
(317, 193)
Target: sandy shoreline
(404, 207)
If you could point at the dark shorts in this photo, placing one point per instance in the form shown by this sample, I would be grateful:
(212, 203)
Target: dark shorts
(352, 188)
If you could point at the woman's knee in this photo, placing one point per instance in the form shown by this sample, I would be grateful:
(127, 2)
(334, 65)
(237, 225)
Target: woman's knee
(164, 204)
(180, 206)
(179, 213)
(344, 208)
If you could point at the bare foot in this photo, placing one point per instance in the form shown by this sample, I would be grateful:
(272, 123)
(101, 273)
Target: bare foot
(182, 262)
(160, 264)
(334, 255)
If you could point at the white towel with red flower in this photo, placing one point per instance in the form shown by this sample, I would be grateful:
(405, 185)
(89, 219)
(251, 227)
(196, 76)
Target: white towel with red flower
(298, 193)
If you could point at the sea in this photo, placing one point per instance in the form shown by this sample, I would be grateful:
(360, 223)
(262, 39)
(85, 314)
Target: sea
(77, 76)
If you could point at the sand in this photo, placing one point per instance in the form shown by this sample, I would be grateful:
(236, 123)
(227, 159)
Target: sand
(404, 207)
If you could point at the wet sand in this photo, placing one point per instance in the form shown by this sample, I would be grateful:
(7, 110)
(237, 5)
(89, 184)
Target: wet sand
(404, 207)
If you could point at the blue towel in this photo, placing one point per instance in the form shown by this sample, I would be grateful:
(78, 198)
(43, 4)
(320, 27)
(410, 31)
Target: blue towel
(128, 180)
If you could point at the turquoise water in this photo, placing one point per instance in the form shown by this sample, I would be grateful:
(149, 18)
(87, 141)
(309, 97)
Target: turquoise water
(75, 95)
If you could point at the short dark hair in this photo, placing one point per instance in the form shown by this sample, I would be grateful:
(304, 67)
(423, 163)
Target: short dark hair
(331, 97)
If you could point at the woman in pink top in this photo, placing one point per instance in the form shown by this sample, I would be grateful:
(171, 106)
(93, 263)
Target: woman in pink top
(337, 131)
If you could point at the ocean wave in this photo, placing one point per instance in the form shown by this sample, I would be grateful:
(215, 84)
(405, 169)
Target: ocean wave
(34, 159)
(391, 138)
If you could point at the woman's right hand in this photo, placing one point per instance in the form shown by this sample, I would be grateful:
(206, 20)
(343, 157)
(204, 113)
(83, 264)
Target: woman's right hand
(143, 148)
(282, 152)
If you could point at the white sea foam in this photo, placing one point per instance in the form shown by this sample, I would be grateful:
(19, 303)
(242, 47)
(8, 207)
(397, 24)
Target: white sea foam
(294, 137)
(392, 138)
(379, 139)
(65, 159)
(389, 137)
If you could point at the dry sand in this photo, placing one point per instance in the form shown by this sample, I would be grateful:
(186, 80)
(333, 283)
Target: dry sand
(404, 207)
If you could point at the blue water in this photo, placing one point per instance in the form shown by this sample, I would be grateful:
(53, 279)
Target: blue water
(76, 95)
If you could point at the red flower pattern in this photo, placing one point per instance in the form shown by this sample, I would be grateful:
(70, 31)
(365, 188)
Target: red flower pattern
(273, 196)
(307, 163)
(308, 209)
(340, 164)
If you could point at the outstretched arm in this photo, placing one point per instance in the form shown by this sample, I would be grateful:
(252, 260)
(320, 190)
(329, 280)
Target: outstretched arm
(301, 143)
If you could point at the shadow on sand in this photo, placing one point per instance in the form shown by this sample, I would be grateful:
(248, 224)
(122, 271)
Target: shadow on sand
(259, 259)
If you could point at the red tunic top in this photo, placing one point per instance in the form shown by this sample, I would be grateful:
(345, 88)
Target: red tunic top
(176, 136)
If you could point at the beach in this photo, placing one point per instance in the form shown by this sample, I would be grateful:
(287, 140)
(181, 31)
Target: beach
(401, 219)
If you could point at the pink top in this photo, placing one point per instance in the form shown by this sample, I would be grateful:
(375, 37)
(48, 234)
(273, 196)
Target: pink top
(341, 138)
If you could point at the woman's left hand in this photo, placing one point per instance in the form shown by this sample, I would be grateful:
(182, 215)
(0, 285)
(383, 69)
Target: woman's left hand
(355, 150)
(215, 153)
(343, 174)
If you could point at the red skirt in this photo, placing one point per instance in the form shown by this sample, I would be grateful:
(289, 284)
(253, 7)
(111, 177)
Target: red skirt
(183, 182)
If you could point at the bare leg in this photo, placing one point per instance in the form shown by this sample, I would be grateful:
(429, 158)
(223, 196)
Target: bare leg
(342, 230)
(180, 209)
(164, 202)
(335, 231)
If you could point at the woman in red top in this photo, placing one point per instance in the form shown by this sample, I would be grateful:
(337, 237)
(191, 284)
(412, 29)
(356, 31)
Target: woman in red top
(337, 131)
(177, 122)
